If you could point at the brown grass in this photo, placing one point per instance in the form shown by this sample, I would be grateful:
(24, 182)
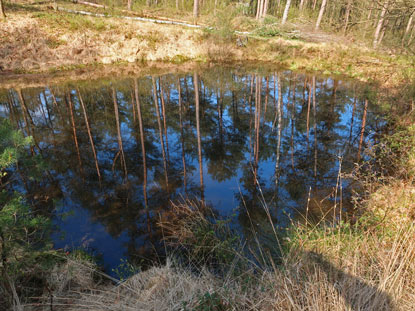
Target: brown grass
(374, 274)
(47, 40)
(368, 266)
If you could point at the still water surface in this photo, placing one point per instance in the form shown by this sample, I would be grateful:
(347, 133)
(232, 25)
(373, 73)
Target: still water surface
(120, 151)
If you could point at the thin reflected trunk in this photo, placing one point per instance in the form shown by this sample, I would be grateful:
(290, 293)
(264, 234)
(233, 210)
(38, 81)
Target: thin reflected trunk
(55, 104)
(133, 106)
(315, 127)
(292, 121)
(308, 116)
(11, 111)
(182, 135)
(119, 138)
(275, 104)
(160, 132)
(163, 111)
(43, 110)
(28, 121)
(362, 131)
(279, 86)
(279, 112)
(250, 118)
(49, 118)
(75, 136)
(257, 125)
(21, 99)
(352, 120)
(90, 135)
(14, 110)
(266, 98)
(199, 142)
(143, 152)
(220, 120)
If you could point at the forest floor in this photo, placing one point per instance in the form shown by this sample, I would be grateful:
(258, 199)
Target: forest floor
(37, 39)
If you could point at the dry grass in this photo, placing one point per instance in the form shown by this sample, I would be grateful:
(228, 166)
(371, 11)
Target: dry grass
(373, 275)
(45, 40)
(367, 266)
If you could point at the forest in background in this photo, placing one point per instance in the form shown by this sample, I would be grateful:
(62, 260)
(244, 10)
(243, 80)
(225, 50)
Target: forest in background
(378, 21)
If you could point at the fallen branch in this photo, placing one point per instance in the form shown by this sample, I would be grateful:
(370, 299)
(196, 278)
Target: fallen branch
(144, 19)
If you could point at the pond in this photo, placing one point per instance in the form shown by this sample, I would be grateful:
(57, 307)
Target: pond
(247, 142)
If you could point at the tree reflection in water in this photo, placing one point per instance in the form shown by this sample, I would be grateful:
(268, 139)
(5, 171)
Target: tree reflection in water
(120, 151)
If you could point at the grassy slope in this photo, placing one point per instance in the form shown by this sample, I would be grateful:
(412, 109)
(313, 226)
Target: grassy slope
(38, 39)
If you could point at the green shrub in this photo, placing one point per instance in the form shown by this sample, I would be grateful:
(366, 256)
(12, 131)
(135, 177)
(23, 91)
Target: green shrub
(25, 250)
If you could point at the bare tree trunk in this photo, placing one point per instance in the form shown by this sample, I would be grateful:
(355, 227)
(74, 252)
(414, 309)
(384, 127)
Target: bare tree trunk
(320, 14)
(90, 135)
(259, 9)
(265, 8)
(362, 131)
(347, 17)
(285, 15)
(119, 138)
(380, 24)
(156, 105)
(301, 5)
(17, 306)
(408, 27)
(177, 5)
(199, 141)
(129, 5)
(195, 10)
(2, 13)
(278, 7)
(411, 36)
(332, 12)
(369, 15)
(382, 35)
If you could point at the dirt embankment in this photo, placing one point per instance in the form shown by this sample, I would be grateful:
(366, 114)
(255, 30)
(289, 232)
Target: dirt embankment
(39, 42)
(49, 41)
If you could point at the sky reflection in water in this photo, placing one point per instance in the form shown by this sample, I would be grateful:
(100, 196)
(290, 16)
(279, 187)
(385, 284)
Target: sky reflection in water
(265, 137)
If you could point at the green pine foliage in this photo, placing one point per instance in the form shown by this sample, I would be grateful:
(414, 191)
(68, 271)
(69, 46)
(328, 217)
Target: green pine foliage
(25, 251)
